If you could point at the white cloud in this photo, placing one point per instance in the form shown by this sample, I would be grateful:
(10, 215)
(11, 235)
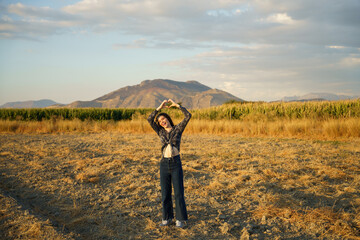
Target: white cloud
(351, 61)
(274, 68)
(232, 86)
(155, 44)
(336, 47)
(139, 43)
(281, 18)
(6, 27)
(6, 18)
(29, 12)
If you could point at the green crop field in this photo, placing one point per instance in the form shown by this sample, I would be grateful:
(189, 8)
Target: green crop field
(232, 110)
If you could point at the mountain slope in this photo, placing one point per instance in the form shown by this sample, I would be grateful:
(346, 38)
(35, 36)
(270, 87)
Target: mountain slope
(150, 93)
(29, 104)
(318, 96)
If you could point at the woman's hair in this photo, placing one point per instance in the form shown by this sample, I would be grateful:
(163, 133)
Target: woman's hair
(165, 115)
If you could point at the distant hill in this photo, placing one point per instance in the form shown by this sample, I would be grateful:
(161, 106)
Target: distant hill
(318, 97)
(30, 104)
(150, 93)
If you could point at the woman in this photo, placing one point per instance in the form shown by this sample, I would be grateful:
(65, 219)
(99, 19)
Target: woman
(170, 164)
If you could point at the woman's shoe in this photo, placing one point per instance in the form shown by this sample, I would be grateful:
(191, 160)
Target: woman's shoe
(180, 224)
(165, 223)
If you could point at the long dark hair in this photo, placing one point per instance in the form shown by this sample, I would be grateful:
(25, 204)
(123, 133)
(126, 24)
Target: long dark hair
(168, 118)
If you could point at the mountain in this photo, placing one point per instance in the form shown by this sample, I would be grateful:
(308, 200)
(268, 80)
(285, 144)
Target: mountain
(30, 104)
(150, 93)
(318, 97)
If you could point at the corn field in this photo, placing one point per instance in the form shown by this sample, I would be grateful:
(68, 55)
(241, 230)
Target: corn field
(281, 110)
(99, 114)
(253, 111)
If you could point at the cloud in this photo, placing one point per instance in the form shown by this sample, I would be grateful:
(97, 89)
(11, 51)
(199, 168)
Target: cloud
(295, 69)
(260, 58)
(336, 47)
(36, 12)
(233, 86)
(320, 22)
(275, 42)
(281, 18)
(155, 44)
(21, 21)
(351, 61)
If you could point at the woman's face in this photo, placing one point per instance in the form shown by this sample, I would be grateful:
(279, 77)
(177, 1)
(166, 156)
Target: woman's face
(164, 122)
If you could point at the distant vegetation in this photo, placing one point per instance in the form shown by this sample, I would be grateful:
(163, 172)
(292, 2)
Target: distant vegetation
(281, 110)
(99, 114)
(253, 111)
(315, 120)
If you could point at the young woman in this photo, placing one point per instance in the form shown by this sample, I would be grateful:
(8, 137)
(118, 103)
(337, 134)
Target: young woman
(170, 164)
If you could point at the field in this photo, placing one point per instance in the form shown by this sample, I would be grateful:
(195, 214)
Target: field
(253, 111)
(105, 185)
(337, 120)
(251, 171)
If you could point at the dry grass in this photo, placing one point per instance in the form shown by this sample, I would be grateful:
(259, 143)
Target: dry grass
(106, 186)
(331, 129)
(18, 223)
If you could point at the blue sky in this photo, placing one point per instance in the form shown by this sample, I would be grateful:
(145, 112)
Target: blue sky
(257, 50)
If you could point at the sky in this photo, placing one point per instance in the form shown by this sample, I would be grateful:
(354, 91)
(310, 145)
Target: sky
(68, 50)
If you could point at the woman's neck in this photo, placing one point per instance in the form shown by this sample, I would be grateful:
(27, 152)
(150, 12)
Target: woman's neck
(168, 129)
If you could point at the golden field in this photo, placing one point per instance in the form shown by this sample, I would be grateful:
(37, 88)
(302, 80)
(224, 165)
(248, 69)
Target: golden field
(330, 120)
(329, 129)
(251, 171)
(243, 180)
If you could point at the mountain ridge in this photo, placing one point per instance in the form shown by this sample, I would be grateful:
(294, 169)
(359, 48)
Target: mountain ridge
(319, 96)
(42, 103)
(150, 93)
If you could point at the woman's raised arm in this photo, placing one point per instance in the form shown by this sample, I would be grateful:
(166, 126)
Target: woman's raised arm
(186, 119)
(152, 115)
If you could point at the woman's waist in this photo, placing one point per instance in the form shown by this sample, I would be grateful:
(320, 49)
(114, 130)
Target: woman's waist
(173, 144)
(170, 156)
(170, 159)
(170, 151)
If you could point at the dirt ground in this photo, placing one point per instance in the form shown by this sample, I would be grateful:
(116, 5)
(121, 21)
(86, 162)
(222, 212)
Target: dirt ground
(106, 186)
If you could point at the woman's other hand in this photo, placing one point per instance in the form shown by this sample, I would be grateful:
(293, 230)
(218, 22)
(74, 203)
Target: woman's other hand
(162, 105)
(173, 104)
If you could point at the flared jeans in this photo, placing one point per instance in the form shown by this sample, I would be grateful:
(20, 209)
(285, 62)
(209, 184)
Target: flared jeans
(171, 173)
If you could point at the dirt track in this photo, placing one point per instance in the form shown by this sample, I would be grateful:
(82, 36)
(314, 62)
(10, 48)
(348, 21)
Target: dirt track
(106, 186)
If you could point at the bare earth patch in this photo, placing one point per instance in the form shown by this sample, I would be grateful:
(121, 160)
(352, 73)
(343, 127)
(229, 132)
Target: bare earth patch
(106, 186)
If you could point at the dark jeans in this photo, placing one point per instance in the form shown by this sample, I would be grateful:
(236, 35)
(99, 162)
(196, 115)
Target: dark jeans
(171, 171)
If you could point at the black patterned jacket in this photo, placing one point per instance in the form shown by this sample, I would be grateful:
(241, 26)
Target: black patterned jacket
(174, 136)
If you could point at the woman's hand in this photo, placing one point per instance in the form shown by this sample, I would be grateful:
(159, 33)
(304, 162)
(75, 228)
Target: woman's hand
(168, 104)
(173, 104)
(162, 105)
